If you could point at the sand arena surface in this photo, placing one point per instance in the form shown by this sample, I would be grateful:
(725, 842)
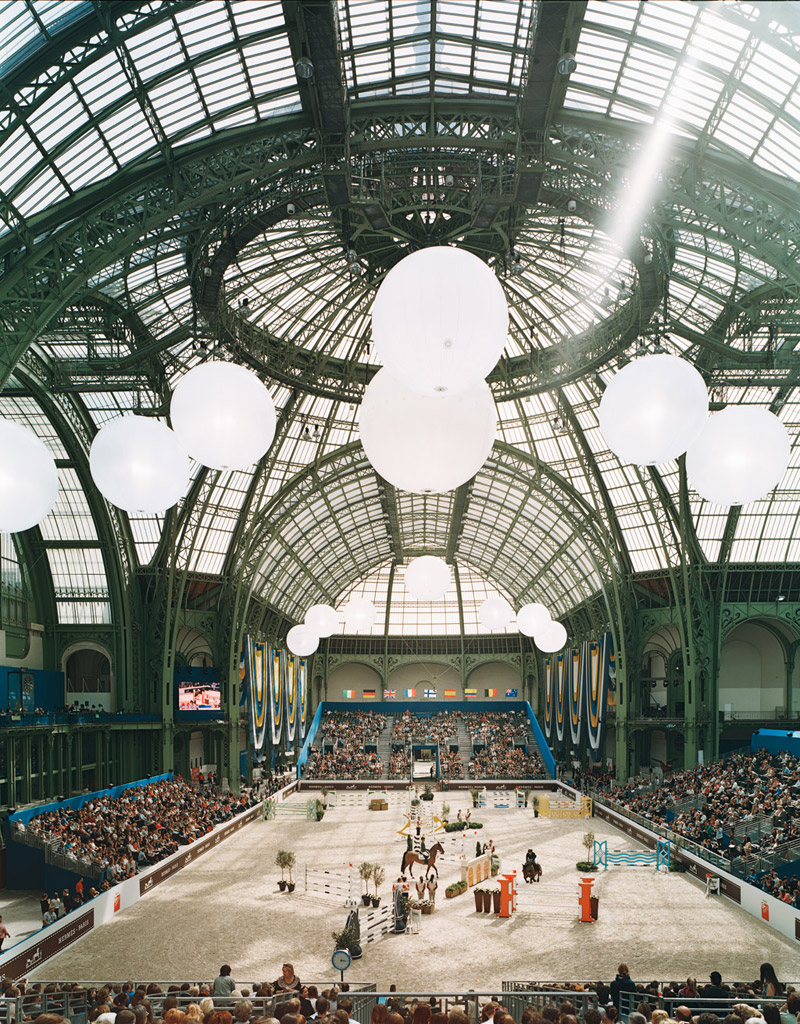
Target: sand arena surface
(226, 908)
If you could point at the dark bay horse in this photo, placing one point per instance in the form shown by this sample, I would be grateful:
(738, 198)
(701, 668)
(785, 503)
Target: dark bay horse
(427, 859)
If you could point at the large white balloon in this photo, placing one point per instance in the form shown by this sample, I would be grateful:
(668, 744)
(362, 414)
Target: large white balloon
(552, 638)
(533, 619)
(495, 613)
(426, 445)
(427, 578)
(28, 478)
(359, 614)
(740, 456)
(138, 464)
(322, 619)
(223, 415)
(653, 409)
(440, 321)
(302, 641)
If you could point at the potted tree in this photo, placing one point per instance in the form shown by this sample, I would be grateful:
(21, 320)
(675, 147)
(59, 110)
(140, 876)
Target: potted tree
(588, 864)
(290, 861)
(365, 870)
(319, 807)
(535, 802)
(378, 875)
(478, 899)
(427, 792)
(282, 862)
(445, 812)
(346, 939)
(324, 791)
(476, 795)
(496, 894)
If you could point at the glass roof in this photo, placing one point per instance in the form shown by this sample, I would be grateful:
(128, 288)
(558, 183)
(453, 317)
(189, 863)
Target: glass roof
(663, 214)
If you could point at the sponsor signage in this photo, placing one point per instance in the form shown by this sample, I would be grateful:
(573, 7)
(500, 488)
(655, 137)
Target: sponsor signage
(730, 889)
(49, 945)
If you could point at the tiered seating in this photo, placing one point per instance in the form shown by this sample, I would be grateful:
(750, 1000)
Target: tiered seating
(342, 753)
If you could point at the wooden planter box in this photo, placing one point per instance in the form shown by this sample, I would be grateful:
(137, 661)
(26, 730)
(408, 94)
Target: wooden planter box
(379, 804)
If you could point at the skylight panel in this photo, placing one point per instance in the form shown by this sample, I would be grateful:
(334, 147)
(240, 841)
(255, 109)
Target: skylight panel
(743, 123)
(102, 82)
(62, 115)
(156, 51)
(20, 155)
(128, 133)
(204, 26)
(666, 23)
(44, 190)
(86, 161)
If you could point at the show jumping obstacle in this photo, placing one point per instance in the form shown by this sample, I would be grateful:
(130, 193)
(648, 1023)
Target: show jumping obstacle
(341, 887)
(550, 807)
(548, 899)
(658, 857)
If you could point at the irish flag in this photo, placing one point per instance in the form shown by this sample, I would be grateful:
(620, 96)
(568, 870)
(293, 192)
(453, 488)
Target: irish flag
(348, 694)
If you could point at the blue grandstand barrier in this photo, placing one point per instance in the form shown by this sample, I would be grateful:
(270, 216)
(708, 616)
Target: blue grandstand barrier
(309, 741)
(541, 742)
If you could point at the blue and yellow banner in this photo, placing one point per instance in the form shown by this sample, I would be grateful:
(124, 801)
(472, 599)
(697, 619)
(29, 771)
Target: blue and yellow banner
(548, 701)
(575, 695)
(290, 692)
(302, 697)
(560, 700)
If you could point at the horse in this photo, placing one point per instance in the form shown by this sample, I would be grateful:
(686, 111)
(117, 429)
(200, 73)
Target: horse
(532, 872)
(427, 859)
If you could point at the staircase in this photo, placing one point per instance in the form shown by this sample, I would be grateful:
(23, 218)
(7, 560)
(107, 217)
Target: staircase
(385, 748)
(464, 745)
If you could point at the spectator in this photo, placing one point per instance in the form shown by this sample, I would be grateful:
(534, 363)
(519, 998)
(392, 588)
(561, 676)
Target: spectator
(223, 983)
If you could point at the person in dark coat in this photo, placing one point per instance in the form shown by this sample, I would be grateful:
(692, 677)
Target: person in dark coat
(622, 983)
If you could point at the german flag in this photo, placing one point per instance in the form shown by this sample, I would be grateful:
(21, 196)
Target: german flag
(369, 695)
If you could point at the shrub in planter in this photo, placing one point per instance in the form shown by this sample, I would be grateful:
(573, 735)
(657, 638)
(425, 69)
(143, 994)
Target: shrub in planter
(427, 793)
(478, 893)
(677, 866)
(365, 870)
(378, 875)
(496, 894)
(455, 889)
(586, 865)
(282, 860)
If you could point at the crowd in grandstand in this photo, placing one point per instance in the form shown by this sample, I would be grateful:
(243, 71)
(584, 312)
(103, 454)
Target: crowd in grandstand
(451, 764)
(496, 727)
(116, 836)
(399, 764)
(345, 760)
(355, 726)
(435, 728)
(505, 763)
(290, 1002)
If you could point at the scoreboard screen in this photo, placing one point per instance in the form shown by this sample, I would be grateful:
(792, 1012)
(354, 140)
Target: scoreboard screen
(198, 696)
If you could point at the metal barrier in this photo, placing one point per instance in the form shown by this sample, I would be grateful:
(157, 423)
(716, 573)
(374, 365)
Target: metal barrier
(628, 1001)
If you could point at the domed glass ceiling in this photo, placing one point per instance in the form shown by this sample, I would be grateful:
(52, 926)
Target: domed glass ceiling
(152, 152)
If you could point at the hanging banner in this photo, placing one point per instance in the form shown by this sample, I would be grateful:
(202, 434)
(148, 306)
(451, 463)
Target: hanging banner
(595, 698)
(575, 694)
(302, 698)
(560, 701)
(276, 677)
(253, 675)
(548, 700)
(290, 690)
(610, 663)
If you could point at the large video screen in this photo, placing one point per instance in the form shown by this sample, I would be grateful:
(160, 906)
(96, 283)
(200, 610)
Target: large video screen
(203, 696)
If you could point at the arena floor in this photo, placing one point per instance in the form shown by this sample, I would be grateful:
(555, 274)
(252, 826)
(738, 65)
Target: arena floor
(226, 908)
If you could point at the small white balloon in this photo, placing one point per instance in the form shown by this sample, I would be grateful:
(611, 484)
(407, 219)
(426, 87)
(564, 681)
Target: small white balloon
(440, 321)
(302, 641)
(322, 619)
(138, 464)
(359, 614)
(533, 618)
(740, 456)
(552, 638)
(223, 415)
(495, 613)
(426, 445)
(427, 578)
(653, 409)
(28, 478)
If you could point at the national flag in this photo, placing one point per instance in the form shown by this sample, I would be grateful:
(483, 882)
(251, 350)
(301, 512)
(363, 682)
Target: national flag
(389, 694)
(410, 693)
(511, 693)
(369, 695)
(449, 693)
(348, 694)
(470, 691)
(490, 693)
(429, 693)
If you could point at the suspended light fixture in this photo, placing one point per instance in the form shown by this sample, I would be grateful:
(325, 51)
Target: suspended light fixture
(427, 578)
(495, 613)
(302, 641)
(223, 415)
(741, 454)
(423, 444)
(138, 464)
(28, 478)
(552, 638)
(653, 409)
(532, 619)
(322, 619)
(566, 64)
(304, 69)
(359, 614)
(440, 321)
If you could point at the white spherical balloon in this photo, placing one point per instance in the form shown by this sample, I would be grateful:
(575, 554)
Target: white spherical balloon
(495, 613)
(138, 464)
(440, 321)
(28, 478)
(322, 619)
(427, 578)
(223, 415)
(532, 619)
(302, 641)
(653, 409)
(552, 638)
(741, 454)
(426, 445)
(359, 614)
